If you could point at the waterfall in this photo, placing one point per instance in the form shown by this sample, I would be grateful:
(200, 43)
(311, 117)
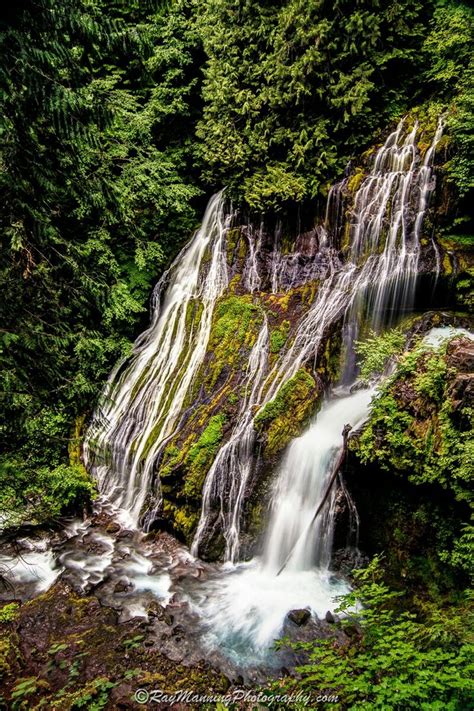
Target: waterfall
(389, 208)
(228, 476)
(143, 399)
(244, 610)
(382, 263)
(292, 536)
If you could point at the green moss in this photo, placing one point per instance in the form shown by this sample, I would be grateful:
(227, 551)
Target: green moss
(9, 653)
(280, 302)
(171, 458)
(279, 336)
(186, 521)
(242, 247)
(447, 265)
(417, 431)
(9, 612)
(355, 180)
(281, 419)
(232, 239)
(236, 322)
(201, 455)
(457, 241)
(329, 361)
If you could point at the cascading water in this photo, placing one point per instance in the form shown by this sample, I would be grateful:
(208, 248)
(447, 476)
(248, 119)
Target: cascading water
(242, 607)
(382, 267)
(144, 397)
(248, 608)
(143, 403)
(231, 469)
(293, 537)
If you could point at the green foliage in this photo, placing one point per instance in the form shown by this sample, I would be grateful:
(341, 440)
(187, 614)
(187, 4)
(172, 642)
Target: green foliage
(450, 72)
(417, 430)
(37, 494)
(97, 106)
(391, 659)
(292, 89)
(24, 688)
(112, 115)
(9, 612)
(133, 642)
(95, 696)
(376, 350)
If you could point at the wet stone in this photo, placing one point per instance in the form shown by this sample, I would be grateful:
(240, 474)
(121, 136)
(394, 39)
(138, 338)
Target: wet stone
(299, 617)
(123, 586)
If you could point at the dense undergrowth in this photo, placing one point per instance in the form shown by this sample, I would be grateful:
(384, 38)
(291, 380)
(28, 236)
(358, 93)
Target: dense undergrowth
(391, 659)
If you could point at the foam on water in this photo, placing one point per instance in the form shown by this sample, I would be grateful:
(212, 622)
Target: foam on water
(436, 336)
(243, 610)
(35, 570)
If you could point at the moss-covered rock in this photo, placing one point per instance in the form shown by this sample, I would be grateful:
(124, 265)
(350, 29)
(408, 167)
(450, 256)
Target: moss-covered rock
(420, 430)
(201, 455)
(236, 322)
(279, 336)
(283, 418)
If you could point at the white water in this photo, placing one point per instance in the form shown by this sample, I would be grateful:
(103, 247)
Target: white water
(381, 269)
(245, 610)
(235, 459)
(33, 570)
(300, 486)
(144, 398)
(436, 336)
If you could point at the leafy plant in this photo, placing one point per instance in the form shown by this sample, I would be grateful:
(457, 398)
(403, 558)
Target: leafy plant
(376, 350)
(9, 612)
(390, 658)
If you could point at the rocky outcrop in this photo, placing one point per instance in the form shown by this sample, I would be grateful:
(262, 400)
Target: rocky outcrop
(410, 470)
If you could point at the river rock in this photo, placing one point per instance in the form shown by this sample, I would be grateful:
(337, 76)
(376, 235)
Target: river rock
(330, 617)
(299, 617)
(123, 586)
(113, 527)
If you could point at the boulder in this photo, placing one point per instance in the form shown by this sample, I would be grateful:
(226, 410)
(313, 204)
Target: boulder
(299, 617)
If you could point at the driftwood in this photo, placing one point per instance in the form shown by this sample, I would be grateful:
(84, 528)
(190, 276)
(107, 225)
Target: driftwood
(335, 472)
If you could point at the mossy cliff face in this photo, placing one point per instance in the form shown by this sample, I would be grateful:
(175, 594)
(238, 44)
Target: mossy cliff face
(281, 292)
(211, 407)
(215, 398)
(280, 420)
(411, 469)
